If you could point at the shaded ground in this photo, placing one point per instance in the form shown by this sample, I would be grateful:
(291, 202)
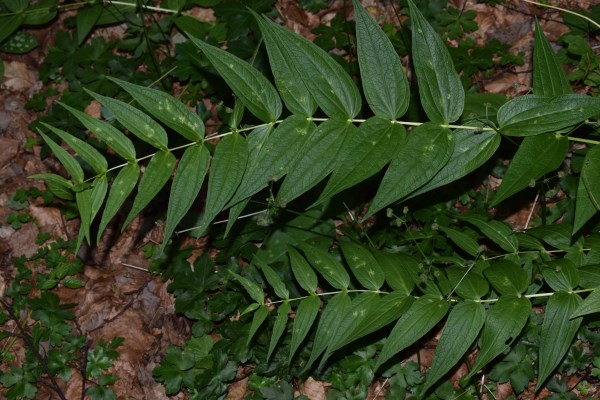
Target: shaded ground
(120, 297)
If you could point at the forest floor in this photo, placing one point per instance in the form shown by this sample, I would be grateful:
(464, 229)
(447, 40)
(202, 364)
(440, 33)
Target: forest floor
(120, 297)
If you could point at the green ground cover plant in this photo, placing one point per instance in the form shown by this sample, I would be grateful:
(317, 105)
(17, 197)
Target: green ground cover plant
(372, 239)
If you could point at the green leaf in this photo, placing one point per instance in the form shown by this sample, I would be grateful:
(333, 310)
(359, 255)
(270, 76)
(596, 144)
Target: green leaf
(466, 283)
(584, 207)
(279, 326)
(497, 231)
(590, 305)
(86, 19)
(420, 318)
(99, 189)
(460, 331)
(89, 154)
(135, 121)
(507, 278)
(294, 92)
(328, 329)
(368, 313)
(257, 319)
(426, 150)
(121, 187)
(305, 315)
(41, 12)
(67, 160)
(9, 24)
(442, 94)
(84, 205)
(333, 272)
(108, 133)
(561, 274)
(331, 87)
(590, 174)
(383, 79)
(318, 158)
(536, 156)
(533, 115)
(227, 169)
(549, 78)
(274, 280)
(166, 109)
(304, 274)
(462, 240)
(234, 214)
(399, 270)
(157, 173)
(503, 323)
(471, 151)
(558, 331)
(186, 185)
(364, 153)
(253, 289)
(249, 85)
(363, 265)
(273, 159)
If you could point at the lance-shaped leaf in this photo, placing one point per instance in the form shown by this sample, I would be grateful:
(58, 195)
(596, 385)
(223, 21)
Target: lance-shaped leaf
(157, 173)
(584, 207)
(100, 187)
(462, 240)
(471, 151)
(504, 322)
(227, 169)
(67, 160)
(318, 157)
(121, 187)
(253, 289)
(400, 270)
(532, 114)
(442, 94)
(590, 305)
(89, 154)
(331, 87)
(115, 139)
(383, 79)
(84, 205)
(558, 331)
(274, 280)
(135, 121)
(257, 319)
(497, 231)
(249, 85)
(86, 19)
(561, 274)
(326, 265)
(328, 329)
(460, 331)
(279, 326)
(590, 174)
(304, 274)
(273, 159)
(363, 265)
(549, 78)
(364, 153)
(305, 315)
(167, 109)
(507, 278)
(467, 284)
(368, 313)
(186, 186)
(293, 92)
(59, 186)
(426, 150)
(234, 214)
(536, 156)
(420, 318)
